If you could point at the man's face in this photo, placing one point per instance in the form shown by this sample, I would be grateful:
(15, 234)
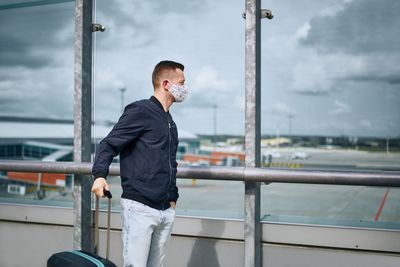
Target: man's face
(173, 83)
(176, 77)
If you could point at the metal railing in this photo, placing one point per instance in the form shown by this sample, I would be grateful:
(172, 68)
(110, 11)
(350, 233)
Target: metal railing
(265, 175)
(245, 174)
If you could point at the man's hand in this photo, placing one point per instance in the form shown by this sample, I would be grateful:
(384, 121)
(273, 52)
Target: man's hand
(173, 204)
(99, 185)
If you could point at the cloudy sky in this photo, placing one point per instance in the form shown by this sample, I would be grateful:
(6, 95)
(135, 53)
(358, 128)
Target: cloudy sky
(329, 67)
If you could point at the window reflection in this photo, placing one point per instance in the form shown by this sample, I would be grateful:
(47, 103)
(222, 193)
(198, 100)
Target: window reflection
(36, 87)
(208, 38)
(330, 90)
(331, 94)
(329, 98)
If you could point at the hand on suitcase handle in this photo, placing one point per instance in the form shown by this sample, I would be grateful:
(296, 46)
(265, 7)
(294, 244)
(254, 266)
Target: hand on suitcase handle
(99, 187)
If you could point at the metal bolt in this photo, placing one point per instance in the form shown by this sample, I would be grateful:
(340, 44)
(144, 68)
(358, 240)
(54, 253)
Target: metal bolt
(98, 27)
(265, 13)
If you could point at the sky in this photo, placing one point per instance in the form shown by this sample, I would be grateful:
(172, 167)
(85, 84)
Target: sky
(328, 67)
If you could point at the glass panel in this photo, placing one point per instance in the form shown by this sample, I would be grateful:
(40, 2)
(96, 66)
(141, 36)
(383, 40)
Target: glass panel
(330, 85)
(217, 199)
(208, 38)
(36, 88)
(356, 206)
(330, 82)
(37, 188)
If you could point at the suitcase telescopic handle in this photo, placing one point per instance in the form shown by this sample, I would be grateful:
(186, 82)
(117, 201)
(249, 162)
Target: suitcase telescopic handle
(96, 223)
(107, 193)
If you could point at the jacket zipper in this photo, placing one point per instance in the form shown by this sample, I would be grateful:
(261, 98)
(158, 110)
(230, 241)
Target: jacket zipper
(169, 157)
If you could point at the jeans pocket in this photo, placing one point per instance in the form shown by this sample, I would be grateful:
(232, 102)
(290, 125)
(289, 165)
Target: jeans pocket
(140, 208)
(172, 211)
(133, 206)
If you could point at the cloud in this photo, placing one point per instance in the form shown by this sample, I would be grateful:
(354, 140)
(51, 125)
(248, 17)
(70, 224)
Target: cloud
(340, 108)
(379, 68)
(107, 80)
(179, 6)
(36, 60)
(207, 88)
(320, 75)
(359, 27)
(348, 42)
(311, 78)
(140, 33)
(16, 52)
(207, 78)
(368, 31)
(127, 23)
(302, 32)
(333, 9)
(240, 103)
(280, 108)
(29, 36)
(34, 94)
(138, 23)
(365, 123)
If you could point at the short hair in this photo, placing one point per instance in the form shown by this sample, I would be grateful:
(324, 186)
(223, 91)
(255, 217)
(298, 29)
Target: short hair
(163, 66)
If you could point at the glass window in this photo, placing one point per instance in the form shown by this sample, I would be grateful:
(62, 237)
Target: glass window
(208, 38)
(330, 87)
(36, 88)
(355, 206)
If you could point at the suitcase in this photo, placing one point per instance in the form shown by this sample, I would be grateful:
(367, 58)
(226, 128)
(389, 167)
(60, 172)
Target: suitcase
(82, 258)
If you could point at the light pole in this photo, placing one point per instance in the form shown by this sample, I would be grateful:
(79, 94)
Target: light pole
(215, 125)
(122, 89)
(290, 116)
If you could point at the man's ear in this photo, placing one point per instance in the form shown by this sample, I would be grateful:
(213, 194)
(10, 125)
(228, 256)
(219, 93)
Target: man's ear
(164, 84)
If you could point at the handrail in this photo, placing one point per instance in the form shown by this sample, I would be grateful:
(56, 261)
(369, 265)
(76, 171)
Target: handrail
(266, 175)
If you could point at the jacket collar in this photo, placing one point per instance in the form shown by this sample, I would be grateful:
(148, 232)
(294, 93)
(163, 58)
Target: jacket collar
(155, 101)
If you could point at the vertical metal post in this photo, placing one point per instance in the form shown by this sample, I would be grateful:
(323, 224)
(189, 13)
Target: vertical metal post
(252, 226)
(122, 89)
(82, 122)
(39, 183)
(215, 125)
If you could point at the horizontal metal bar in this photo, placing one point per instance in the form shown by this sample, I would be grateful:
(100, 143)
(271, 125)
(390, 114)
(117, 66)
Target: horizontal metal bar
(266, 175)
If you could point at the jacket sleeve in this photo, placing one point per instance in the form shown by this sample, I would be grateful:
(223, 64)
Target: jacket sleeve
(173, 189)
(129, 126)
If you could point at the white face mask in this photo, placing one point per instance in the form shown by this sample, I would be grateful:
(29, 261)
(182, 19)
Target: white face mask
(179, 92)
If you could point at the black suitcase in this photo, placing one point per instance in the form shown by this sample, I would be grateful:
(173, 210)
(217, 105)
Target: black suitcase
(80, 258)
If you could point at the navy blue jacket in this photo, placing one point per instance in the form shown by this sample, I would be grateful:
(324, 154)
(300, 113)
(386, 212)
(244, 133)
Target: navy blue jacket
(146, 138)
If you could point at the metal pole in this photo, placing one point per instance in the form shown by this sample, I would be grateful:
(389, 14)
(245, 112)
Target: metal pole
(39, 183)
(215, 125)
(122, 99)
(223, 173)
(387, 145)
(290, 116)
(252, 225)
(82, 122)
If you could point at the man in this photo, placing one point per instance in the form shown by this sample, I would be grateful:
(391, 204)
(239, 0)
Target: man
(146, 138)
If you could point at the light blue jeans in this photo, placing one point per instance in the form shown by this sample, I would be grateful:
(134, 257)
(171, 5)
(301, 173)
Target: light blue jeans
(145, 234)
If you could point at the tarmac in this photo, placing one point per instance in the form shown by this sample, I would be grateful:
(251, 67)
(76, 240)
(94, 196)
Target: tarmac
(350, 206)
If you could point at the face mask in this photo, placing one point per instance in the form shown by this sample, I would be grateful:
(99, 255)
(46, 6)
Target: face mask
(179, 92)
